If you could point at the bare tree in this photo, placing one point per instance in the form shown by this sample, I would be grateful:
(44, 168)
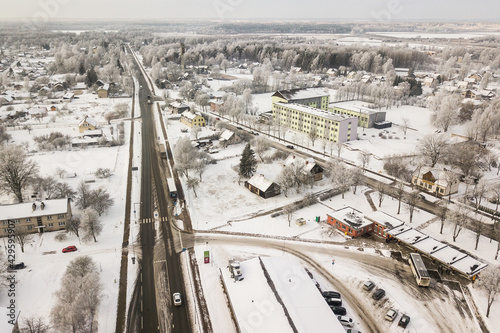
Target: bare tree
(441, 212)
(91, 225)
(60, 172)
(364, 157)
(289, 212)
(195, 132)
(382, 190)
(458, 218)
(286, 179)
(100, 201)
(261, 146)
(412, 200)
(34, 325)
(399, 193)
(478, 226)
(192, 184)
(84, 195)
(477, 193)
(338, 148)
(405, 124)
(78, 298)
(489, 281)
(341, 178)
(432, 147)
(16, 170)
(73, 225)
(22, 235)
(63, 190)
(313, 134)
(357, 179)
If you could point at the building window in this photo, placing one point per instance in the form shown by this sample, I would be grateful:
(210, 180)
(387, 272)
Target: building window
(28, 219)
(60, 216)
(62, 223)
(51, 224)
(49, 217)
(30, 227)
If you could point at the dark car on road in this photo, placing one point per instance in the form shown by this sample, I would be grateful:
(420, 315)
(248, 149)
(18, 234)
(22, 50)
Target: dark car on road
(331, 294)
(289, 146)
(70, 248)
(338, 310)
(378, 294)
(18, 265)
(403, 322)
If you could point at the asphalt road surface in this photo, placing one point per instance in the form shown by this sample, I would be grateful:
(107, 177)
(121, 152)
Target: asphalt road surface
(161, 274)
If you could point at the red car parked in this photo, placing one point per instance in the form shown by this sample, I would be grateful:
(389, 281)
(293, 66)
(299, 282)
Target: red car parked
(71, 248)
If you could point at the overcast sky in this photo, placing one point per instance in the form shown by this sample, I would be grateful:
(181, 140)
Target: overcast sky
(385, 10)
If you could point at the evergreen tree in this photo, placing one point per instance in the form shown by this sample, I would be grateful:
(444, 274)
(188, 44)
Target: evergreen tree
(248, 163)
(91, 77)
(81, 70)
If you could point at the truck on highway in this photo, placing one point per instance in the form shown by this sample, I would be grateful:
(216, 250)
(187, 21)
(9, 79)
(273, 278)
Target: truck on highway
(149, 99)
(163, 152)
(172, 189)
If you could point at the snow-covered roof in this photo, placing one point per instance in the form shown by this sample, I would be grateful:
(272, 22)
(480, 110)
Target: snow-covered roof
(443, 252)
(412, 236)
(469, 265)
(388, 221)
(89, 120)
(429, 245)
(301, 93)
(104, 87)
(250, 294)
(190, 115)
(305, 305)
(352, 107)
(307, 163)
(226, 135)
(315, 112)
(352, 217)
(260, 182)
(7, 98)
(24, 210)
(178, 105)
(69, 95)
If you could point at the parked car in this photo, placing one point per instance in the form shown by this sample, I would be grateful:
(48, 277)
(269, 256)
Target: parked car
(17, 265)
(254, 133)
(334, 301)
(403, 322)
(239, 127)
(378, 294)
(289, 146)
(391, 314)
(369, 285)
(338, 310)
(217, 118)
(331, 294)
(350, 330)
(346, 321)
(70, 248)
(177, 299)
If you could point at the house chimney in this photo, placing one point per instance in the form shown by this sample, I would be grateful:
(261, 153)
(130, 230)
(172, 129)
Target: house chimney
(33, 207)
(293, 156)
(307, 162)
(42, 205)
